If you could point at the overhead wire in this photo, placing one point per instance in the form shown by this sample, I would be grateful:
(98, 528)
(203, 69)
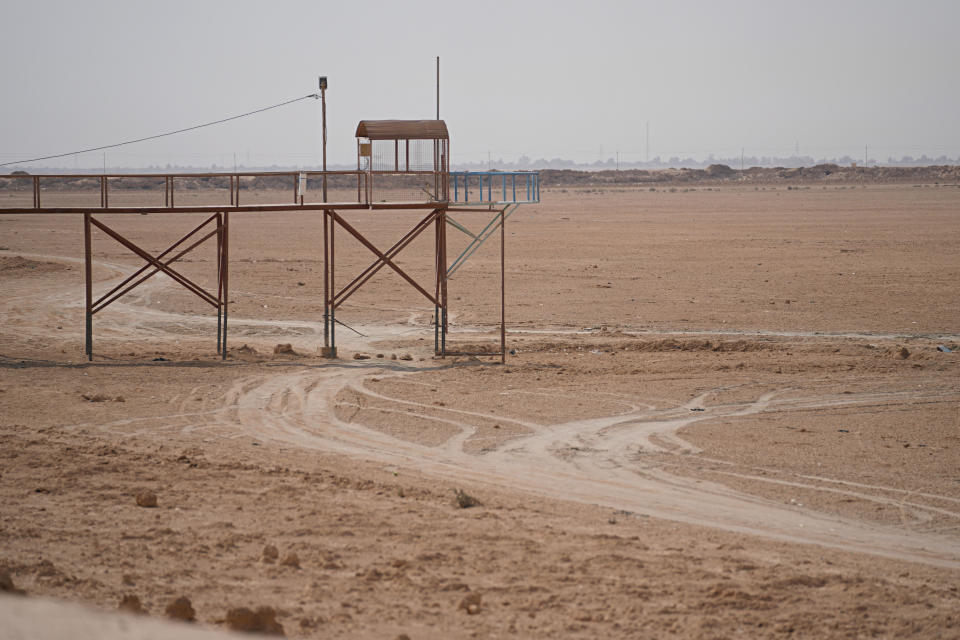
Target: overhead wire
(162, 135)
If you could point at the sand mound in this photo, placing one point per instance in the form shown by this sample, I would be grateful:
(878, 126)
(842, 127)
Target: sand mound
(18, 266)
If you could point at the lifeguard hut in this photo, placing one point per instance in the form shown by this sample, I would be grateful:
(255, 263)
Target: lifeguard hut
(404, 160)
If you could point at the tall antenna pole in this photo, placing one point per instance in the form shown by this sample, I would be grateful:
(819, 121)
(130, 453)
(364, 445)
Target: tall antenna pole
(438, 87)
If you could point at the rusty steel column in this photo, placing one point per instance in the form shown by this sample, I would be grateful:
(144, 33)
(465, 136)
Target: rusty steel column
(333, 307)
(220, 279)
(326, 283)
(88, 277)
(503, 291)
(225, 257)
(439, 274)
(443, 283)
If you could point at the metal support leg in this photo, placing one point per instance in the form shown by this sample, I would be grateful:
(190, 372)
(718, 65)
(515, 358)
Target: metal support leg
(441, 272)
(326, 283)
(443, 333)
(329, 303)
(443, 284)
(88, 277)
(503, 290)
(333, 307)
(220, 276)
(226, 280)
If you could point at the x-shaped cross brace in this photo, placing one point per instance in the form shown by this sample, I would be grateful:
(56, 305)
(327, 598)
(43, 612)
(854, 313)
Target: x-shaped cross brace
(161, 263)
(158, 266)
(384, 258)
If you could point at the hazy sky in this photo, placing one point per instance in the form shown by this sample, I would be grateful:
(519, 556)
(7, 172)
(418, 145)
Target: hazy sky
(570, 79)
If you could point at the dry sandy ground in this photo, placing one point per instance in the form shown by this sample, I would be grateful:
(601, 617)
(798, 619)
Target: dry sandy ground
(726, 416)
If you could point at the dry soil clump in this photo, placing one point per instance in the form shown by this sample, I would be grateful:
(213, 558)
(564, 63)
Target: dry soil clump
(131, 604)
(263, 620)
(147, 499)
(7, 586)
(471, 603)
(181, 609)
(269, 554)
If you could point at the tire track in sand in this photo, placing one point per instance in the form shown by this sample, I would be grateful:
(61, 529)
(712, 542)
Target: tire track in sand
(596, 461)
(593, 461)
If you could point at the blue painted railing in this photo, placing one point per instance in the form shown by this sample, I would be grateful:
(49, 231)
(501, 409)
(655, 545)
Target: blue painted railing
(494, 187)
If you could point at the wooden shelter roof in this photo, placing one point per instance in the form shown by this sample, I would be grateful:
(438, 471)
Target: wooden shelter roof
(402, 130)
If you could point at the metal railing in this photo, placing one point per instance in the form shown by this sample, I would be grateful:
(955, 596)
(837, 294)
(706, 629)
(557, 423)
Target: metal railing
(133, 192)
(495, 187)
(126, 191)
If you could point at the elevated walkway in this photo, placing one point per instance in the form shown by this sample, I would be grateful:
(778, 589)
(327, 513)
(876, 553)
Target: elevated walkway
(439, 193)
(401, 164)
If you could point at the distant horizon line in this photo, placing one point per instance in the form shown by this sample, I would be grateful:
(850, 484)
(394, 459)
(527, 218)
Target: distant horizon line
(525, 163)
